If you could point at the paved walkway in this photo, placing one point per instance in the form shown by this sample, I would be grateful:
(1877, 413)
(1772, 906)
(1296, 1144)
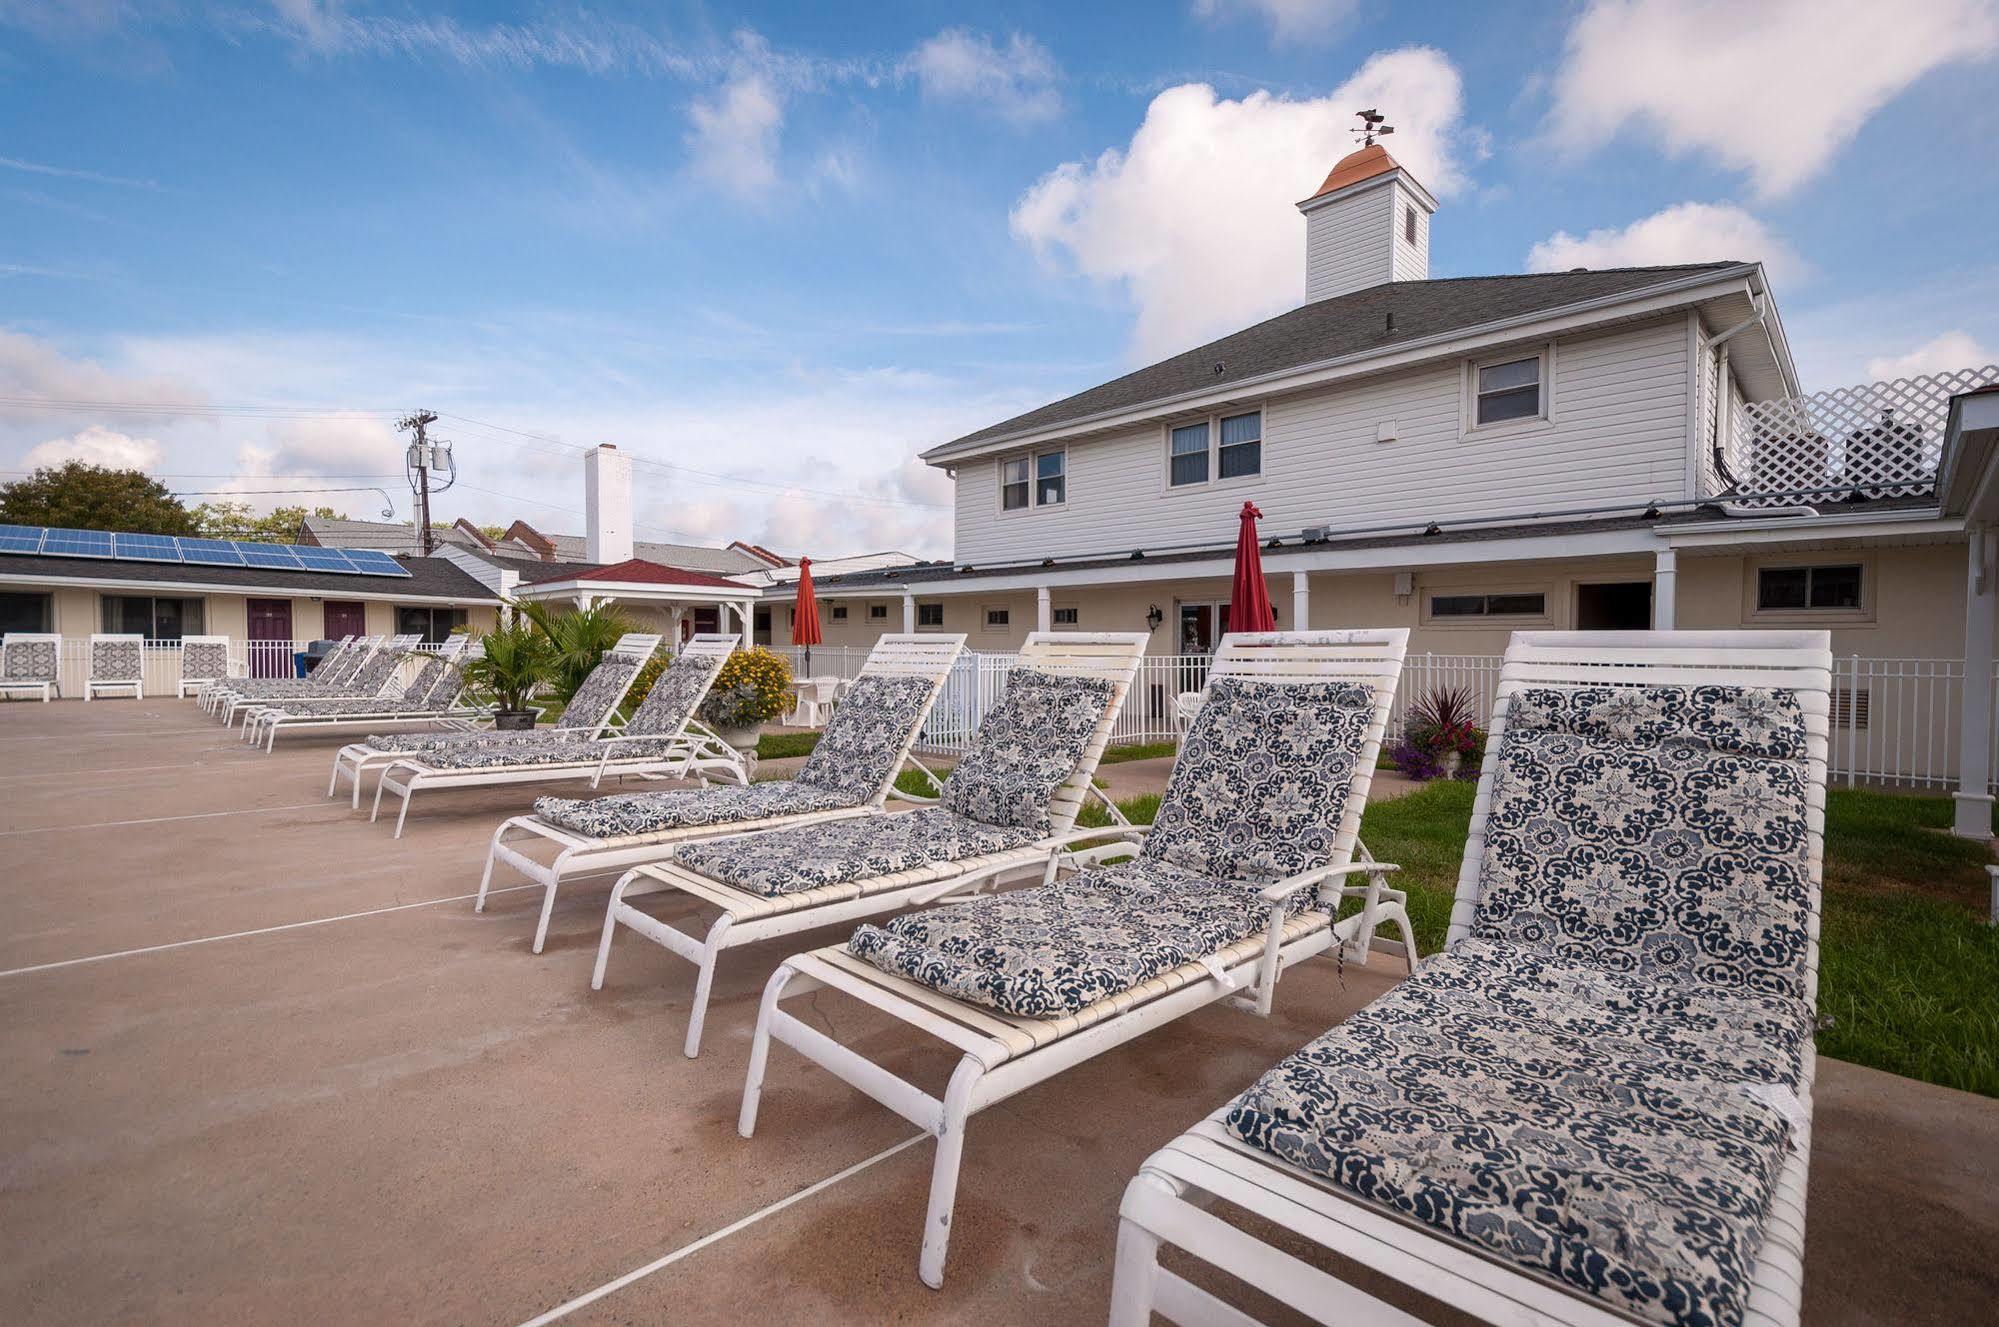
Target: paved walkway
(265, 1064)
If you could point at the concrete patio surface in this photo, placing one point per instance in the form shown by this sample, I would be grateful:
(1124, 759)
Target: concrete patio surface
(377, 1106)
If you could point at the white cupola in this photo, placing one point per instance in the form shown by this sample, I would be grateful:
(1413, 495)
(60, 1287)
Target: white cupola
(1369, 223)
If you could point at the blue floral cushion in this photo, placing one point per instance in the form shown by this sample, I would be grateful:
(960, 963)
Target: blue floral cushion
(1653, 830)
(674, 695)
(1260, 785)
(786, 861)
(1591, 1127)
(864, 740)
(1051, 950)
(625, 814)
(552, 749)
(1026, 747)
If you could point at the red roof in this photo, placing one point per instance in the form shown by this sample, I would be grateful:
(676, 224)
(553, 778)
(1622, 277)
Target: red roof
(638, 571)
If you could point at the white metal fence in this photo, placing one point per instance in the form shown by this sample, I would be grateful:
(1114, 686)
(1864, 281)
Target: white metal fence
(161, 670)
(1895, 721)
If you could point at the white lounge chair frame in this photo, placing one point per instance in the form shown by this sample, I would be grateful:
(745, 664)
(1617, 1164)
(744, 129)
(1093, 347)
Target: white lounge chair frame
(1003, 1054)
(188, 683)
(927, 655)
(748, 918)
(333, 677)
(46, 688)
(1169, 1201)
(357, 758)
(696, 749)
(387, 661)
(219, 691)
(93, 685)
(264, 725)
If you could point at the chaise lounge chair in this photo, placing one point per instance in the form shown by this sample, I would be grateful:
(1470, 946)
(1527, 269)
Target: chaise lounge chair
(1239, 877)
(1594, 1106)
(31, 664)
(371, 682)
(851, 772)
(589, 713)
(662, 739)
(1011, 799)
(331, 678)
(204, 660)
(432, 696)
(117, 665)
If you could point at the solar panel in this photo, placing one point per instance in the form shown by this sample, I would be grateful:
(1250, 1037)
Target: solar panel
(269, 555)
(76, 543)
(145, 547)
(370, 562)
(20, 538)
(323, 559)
(209, 552)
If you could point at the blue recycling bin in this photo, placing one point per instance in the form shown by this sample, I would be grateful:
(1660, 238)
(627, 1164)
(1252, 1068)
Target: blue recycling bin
(298, 663)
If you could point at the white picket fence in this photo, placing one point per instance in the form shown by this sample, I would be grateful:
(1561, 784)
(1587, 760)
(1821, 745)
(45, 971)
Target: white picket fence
(1894, 720)
(261, 658)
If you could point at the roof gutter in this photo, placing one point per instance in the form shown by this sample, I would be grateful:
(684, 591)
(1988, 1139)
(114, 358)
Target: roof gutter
(946, 452)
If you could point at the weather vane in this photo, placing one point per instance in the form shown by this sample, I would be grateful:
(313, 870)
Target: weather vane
(1373, 125)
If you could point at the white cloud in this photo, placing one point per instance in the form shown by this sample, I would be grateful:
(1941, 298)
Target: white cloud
(1682, 233)
(1017, 80)
(1942, 354)
(99, 446)
(734, 136)
(1773, 89)
(1290, 20)
(37, 371)
(1196, 215)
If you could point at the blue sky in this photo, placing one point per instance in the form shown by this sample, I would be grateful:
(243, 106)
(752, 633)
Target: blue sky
(783, 247)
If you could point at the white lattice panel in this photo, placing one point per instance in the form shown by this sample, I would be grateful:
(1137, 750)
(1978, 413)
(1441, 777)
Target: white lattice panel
(1879, 440)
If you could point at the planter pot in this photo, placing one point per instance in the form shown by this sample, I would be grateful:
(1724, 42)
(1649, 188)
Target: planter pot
(513, 721)
(1452, 761)
(743, 739)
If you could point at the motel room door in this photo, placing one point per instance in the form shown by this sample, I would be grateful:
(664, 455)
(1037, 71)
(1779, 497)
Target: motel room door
(343, 618)
(270, 637)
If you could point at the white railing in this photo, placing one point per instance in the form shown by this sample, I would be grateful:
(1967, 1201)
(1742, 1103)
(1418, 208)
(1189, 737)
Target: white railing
(1877, 440)
(1894, 720)
(161, 668)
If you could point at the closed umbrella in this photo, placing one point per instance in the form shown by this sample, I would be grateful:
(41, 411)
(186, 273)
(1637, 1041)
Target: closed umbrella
(1249, 598)
(805, 614)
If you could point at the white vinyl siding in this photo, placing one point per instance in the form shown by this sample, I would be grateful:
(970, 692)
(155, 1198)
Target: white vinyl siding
(1411, 262)
(1348, 243)
(1619, 434)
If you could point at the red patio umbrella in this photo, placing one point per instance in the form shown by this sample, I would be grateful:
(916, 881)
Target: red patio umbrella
(1249, 597)
(805, 614)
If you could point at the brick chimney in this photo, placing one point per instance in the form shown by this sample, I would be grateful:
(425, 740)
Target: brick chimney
(607, 504)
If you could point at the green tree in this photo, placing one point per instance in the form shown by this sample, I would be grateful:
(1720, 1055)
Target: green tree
(82, 496)
(237, 520)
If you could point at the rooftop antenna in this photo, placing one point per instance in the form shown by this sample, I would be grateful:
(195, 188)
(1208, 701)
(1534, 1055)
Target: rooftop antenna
(1373, 125)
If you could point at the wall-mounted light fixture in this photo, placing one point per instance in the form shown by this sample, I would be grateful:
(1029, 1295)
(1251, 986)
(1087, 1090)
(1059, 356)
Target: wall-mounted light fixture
(1153, 617)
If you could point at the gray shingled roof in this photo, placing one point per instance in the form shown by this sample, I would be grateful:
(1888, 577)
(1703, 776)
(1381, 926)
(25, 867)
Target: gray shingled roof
(429, 578)
(388, 536)
(689, 557)
(1344, 325)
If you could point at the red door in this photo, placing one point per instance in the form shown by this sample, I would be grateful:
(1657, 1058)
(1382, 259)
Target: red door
(345, 619)
(270, 637)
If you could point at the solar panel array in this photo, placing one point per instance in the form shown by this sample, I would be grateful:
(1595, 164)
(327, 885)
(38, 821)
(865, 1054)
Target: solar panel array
(50, 541)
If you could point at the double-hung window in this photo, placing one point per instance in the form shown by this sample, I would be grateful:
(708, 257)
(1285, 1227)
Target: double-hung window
(1507, 390)
(1220, 447)
(1040, 480)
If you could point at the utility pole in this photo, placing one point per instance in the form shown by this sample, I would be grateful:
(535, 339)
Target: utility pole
(419, 461)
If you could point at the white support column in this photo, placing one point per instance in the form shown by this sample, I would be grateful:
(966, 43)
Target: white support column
(1044, 615)
(673, 615)
(1974, 742)
(1665, 588)
(748, 613)
(908, 612)
(1301, 601)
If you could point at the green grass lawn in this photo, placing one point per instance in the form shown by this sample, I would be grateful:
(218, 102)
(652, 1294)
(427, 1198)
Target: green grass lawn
(1908, 969)
(777, 746)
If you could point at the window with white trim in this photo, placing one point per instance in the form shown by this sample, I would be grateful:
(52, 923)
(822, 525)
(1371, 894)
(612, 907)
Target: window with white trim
(155, 619)
(997, 619)
(1063, 617)
(1506, 603)
(1221, 446)
(840, 612)
(1051, 478)
(1802, 589)
(1040, 479)
(1507, 390)
(930, 615)
(877, 612)
(1014, 486)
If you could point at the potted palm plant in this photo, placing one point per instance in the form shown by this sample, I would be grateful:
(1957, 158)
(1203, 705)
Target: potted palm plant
(577, 641)
(516, 661)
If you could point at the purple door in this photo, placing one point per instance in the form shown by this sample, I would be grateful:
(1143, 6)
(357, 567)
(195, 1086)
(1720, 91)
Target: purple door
(270, 637)
(344, 619)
